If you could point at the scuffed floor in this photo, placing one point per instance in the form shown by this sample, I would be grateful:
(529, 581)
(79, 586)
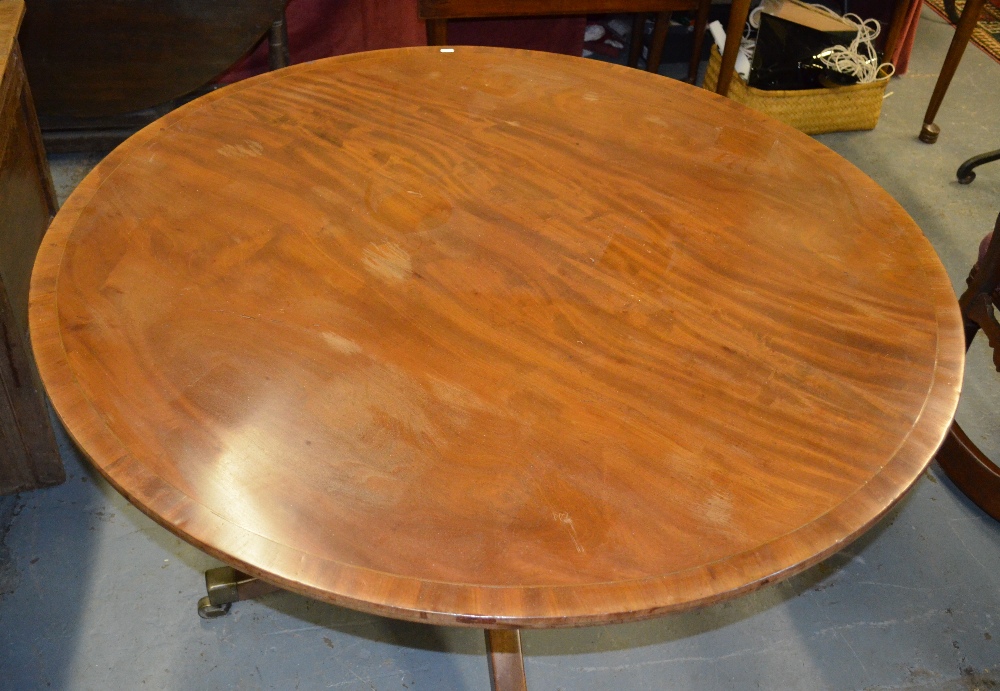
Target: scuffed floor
(94, 595)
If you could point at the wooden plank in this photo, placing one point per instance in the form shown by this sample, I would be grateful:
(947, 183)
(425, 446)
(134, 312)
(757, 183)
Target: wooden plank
(29, 457)
(11, 14)
(30, 118)
(15, 467)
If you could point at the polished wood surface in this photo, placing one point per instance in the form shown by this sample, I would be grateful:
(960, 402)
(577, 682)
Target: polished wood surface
(495, 338)
(28, 455)
(88, 59)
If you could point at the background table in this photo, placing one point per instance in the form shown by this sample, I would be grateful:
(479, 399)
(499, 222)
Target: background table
(495, 338)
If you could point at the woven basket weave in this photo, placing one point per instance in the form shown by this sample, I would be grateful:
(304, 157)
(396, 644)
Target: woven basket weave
(813, 111)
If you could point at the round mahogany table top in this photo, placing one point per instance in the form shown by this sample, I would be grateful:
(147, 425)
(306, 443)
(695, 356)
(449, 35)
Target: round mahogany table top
(495, 338)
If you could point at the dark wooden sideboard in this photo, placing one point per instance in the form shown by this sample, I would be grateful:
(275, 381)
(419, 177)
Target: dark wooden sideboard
(102, 70)
(29, 457)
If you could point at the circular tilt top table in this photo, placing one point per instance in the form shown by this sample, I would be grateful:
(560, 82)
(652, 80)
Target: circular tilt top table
(495, 338)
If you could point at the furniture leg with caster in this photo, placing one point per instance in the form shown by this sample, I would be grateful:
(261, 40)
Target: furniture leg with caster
(226, 585)
(963, 32)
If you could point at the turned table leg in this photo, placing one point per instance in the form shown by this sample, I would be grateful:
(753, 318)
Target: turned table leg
(963, 32)
(226, 585)
(503, 650)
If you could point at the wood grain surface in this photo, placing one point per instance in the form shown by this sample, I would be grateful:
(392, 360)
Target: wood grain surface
(471, 338)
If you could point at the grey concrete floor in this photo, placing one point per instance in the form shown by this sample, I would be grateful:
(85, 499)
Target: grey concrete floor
(94, 595)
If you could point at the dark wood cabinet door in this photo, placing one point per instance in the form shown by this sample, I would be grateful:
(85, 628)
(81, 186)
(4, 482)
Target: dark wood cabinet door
(90, 59)
(28, 454)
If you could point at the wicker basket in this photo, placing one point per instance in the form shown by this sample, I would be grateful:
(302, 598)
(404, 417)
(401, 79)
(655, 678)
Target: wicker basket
(813, 111)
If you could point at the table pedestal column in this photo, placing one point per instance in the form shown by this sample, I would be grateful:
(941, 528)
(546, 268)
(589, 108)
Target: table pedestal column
(503, 649)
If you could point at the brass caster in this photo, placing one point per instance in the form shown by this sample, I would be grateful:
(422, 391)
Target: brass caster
(929, 133)
(226, 585)
(206, 610)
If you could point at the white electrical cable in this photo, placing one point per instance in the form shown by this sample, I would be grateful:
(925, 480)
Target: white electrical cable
(859, 59)
(742, 66)
(748, 43)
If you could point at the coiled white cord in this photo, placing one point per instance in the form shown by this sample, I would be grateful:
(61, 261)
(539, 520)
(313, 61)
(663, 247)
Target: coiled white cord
(859, 59)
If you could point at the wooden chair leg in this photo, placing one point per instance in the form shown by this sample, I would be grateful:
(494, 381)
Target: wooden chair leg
(660, 29)
(700, 26)
(734, 32)
(963, 32)
(899, 14)
(277, 43)
(437, 32)
(635, 43)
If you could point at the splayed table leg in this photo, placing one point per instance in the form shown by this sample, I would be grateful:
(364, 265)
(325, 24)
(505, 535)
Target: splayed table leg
(503, 649)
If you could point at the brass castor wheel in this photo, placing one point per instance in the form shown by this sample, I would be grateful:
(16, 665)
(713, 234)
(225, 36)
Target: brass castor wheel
(206, 610)
(929, 133)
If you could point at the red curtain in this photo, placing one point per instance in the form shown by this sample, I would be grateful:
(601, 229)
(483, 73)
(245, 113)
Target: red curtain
(321, 28)
(882, 11)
